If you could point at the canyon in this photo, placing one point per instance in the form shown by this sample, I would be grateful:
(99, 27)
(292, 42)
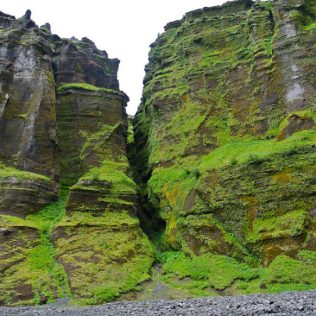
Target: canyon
(208, 191)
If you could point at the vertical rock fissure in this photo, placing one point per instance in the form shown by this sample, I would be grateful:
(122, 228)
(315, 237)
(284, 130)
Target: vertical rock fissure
(150, 221)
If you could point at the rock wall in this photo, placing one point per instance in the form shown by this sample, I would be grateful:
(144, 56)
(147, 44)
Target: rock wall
(226, 132)
(222, 150)
(68, 224)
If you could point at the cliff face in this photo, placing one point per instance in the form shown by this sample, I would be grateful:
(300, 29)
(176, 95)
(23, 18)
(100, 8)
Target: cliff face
(226, 132)
(223, 154)
(67, 204)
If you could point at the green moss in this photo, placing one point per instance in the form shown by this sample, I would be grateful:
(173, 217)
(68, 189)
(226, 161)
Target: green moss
(115, 257)
(95, 141)
(305, 16)
(169, 190)
(98, 133)
(130, 132)
(87, 87)
(310, 7)
(209, 153)
(122, 281)
(310, 26)
(244, 150)
(112, 172)
(268, 47)
(34, 261)
(287, 270)
(43, 257)
(309, 113)
(50, 215)
(8, 172)
(291, 224)
(284, 274)
(187, 117)
(248, 151)
(266, 5)
(168, 177)
(198, 275)
(216, 271)
(47, 272)
(12, 221)
(201, 234)
(108, 218)
(116, 200)
(218, 174)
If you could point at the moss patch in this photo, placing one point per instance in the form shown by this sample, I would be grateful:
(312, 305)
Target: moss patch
(114, 173)
(31, 273)
(291, 224)
(114, 258)
(216, 271)
(8, 172)
(87, 87)
(224, 275)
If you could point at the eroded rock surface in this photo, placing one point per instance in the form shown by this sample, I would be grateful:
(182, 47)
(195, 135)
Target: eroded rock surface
(68, 224)
(223, 153)
(226, 132)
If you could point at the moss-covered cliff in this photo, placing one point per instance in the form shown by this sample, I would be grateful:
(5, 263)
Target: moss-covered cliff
(226, 132)
(68, 224)
(218, 169)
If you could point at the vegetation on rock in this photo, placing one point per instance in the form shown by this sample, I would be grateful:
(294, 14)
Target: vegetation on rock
(217, 167)
(68, 224)
(225, 147)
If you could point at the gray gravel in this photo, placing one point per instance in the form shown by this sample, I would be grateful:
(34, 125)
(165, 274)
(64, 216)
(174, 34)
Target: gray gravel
(293, 303)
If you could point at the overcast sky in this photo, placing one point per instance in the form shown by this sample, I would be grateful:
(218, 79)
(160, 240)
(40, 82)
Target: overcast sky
(124, 28)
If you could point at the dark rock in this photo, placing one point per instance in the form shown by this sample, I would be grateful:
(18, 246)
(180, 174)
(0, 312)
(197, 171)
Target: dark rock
(43, 299)
(27, 15)
(173, 24)
(296, 123)
(88, 41)
(46, 26)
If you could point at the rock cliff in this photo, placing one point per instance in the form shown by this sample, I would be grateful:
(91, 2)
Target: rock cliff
(68, 224)
(218, 168)
(226, 132)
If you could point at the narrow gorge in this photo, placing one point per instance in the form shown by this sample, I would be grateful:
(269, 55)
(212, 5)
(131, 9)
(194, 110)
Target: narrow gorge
(209, 190)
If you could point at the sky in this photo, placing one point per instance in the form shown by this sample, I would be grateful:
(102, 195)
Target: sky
(124, 28)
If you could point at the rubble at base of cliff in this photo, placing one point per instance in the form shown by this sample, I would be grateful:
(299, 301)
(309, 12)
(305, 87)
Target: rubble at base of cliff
(292, 303)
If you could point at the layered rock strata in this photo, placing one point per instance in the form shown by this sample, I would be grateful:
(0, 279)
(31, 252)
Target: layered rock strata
(223, 154)
(67, 204)
(226, 130)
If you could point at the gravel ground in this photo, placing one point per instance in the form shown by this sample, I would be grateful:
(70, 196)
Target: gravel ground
(294, 303)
